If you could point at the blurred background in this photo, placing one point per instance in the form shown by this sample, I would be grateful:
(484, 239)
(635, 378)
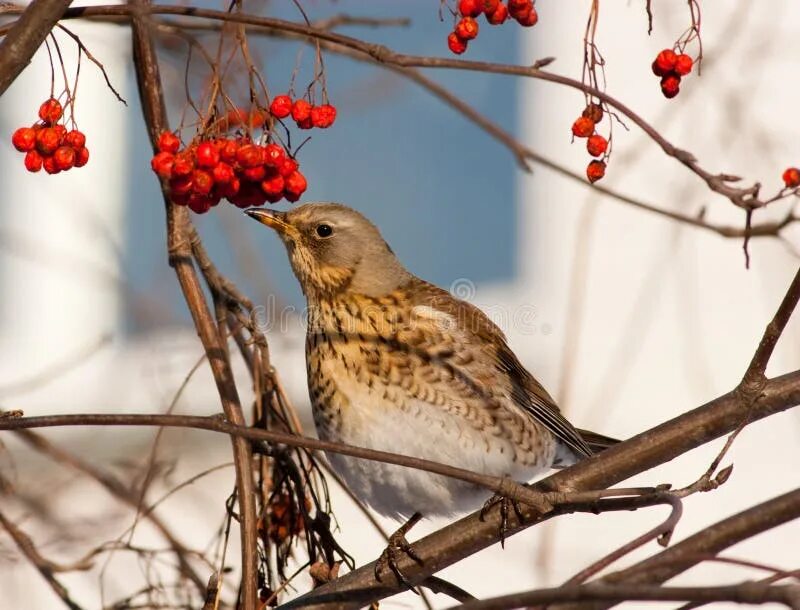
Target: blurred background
(627, 318)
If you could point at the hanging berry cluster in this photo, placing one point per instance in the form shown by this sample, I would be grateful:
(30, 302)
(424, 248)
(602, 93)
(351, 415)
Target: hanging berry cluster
(47, 143)
(304, 114)
(671, 67)
(234, 168)
(596, 144)
(496, 13)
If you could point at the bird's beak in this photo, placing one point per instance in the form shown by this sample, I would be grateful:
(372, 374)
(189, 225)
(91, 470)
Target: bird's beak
(273, 219)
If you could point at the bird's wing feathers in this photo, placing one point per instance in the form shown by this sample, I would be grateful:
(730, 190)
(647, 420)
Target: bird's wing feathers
(438, 307)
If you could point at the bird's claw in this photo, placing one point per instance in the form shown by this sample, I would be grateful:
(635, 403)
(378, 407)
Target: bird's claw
(398, 545)
(504, 503)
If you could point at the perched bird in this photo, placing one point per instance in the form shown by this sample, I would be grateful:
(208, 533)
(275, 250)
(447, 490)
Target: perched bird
(396, 364)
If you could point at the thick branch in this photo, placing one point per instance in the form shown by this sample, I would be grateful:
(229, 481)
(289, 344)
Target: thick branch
(26, 36)
(180, 257)
(643, 452)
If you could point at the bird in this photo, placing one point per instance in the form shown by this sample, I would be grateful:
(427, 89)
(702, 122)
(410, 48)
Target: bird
(397, 364)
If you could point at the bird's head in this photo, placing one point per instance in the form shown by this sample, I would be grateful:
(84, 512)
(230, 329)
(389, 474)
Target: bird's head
(334, 249)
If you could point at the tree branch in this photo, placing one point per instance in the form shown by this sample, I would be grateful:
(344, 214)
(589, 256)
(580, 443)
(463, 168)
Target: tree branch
(743, 593)
(26, 35)
(698, 547)
(180, 258)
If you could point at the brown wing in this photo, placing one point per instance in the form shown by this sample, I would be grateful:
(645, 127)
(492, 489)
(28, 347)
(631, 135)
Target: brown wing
(527, 393)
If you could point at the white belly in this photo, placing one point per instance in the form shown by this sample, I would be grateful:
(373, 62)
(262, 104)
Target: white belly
(422, 431)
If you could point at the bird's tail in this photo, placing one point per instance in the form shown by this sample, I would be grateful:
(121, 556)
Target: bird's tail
(597, 442)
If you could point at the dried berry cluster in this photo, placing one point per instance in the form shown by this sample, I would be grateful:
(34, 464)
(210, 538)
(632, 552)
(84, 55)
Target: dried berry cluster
(496, 13)
(285, 520)
(302, 112)
(237, 169)
(671, 67)
(791, 177)
(596, 145)
(48, 144)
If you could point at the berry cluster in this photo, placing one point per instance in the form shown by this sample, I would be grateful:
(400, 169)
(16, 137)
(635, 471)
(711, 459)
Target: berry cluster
(596, 145)
(496, 13)
(48, 144)
(671, 67)
(302, 112)
(285, 519)
(237, 169)
(791, 177)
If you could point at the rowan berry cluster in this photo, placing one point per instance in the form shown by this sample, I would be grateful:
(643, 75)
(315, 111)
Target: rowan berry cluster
(671, 67)
(791, 177)
(302, 112)
(47, 143)
(596, 145)
(496, 13)
(285, 519)
(237, 169)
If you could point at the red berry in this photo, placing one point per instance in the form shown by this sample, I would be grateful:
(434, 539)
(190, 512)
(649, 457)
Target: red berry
(33, 161)
(455, 44)
(223, 173)
(228, 150)
(250, 155)
(254, 174)
(467, 28)
(199, 204)
(791, 177)
(489, 6)
(593, 112)
(47, 140)
(665, 61)
(274, 155)
(670, 86)
(64, 157)
(168, 142)
(206, 154)
(24, 139)
(595, 170)
(50, 166)
(519, 9)
(161, 164)
(288, 167)
(250, 194)
(528, 18)
(183, 165)
(281, 106)
(228, 189)
(499, 15)
(596, 145)
(683, 64)
(50, 111)
(180, 185)
(76, 139)
(202, 182)
(583, 127)
(323, 116)
(301, 111)
(81, 157)
(273, 187)
(470, 8)
(296, 185)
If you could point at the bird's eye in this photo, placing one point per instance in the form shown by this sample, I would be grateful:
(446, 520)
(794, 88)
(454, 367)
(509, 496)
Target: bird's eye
(324, 230)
